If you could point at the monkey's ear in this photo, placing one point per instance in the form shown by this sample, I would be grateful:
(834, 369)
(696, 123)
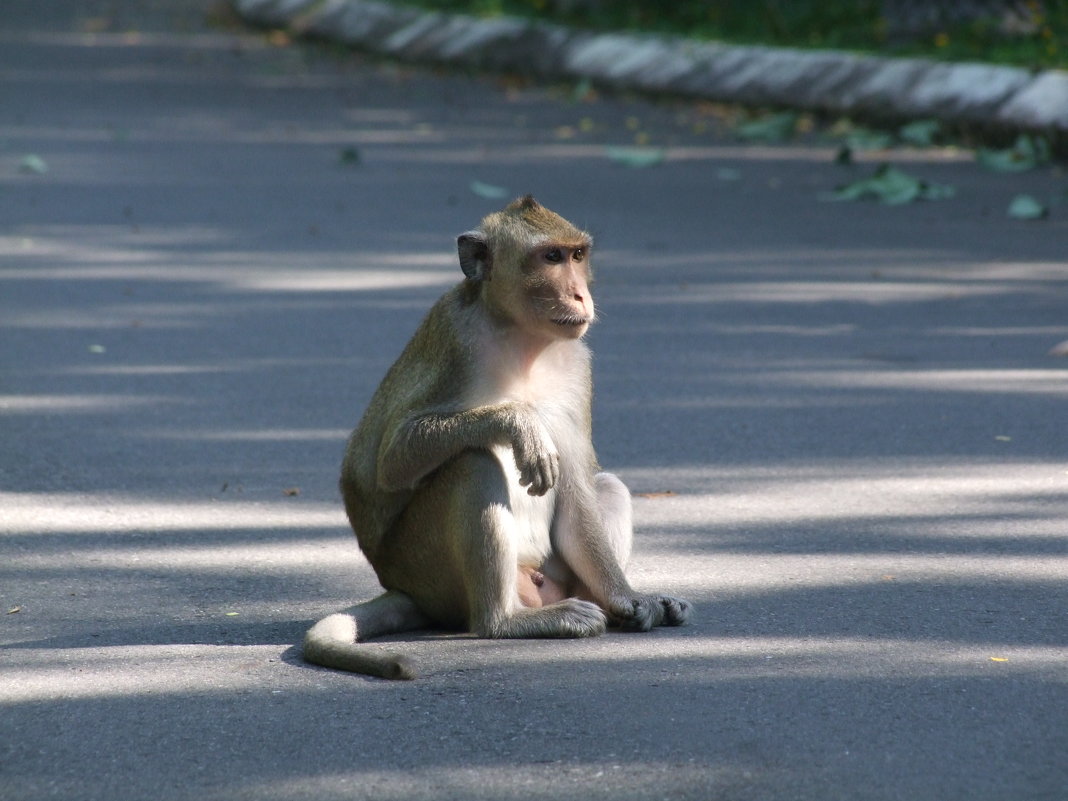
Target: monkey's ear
(474, 255)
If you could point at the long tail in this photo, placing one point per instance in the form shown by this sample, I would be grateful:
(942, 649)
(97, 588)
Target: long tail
(334, 641)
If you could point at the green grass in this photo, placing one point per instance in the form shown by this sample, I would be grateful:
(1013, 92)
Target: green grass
(853, 25)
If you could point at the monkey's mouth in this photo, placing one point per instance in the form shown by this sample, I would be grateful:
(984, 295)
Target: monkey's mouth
(571, 321)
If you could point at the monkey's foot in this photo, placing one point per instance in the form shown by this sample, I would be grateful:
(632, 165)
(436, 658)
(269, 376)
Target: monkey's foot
(646, 611)
(566, 619)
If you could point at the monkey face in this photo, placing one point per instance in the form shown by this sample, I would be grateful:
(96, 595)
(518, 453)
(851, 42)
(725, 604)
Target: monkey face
(532, 269)
(556, 282)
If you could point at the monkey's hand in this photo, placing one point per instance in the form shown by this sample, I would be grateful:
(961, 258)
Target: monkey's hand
(643, 612)
(536, 456)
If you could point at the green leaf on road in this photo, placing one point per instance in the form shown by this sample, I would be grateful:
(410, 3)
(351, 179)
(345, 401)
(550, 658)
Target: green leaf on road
(1026, 153)
(772, 128)
(637, 157)
(893, 187)
(867, 139)
(349, 156)
(1025, 207)
(488, 191)
(920, 133)
(33, 164)
(583, 90)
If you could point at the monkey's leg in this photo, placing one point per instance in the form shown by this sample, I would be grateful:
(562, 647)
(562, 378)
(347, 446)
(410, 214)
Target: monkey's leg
(597, 551)
(481, 518)
(614, 507)
(613, 501)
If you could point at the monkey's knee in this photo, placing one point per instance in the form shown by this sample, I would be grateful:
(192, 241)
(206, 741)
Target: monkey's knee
(474, 478)
(612, 492)
(614, 501)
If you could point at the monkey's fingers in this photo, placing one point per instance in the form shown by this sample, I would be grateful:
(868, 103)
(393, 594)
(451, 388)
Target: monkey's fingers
(548, 473)
(636, 614)
(676, 610)
(540, 474)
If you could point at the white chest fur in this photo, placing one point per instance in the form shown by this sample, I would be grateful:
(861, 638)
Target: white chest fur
(554, 386)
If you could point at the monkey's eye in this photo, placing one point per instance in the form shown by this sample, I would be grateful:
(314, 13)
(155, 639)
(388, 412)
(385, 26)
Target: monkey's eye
(554, 256)
(579, 254)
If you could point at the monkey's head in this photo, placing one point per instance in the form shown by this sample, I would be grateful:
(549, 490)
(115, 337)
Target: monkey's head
(532, 269)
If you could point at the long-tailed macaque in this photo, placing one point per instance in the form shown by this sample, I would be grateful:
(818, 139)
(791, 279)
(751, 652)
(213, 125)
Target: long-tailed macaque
(472, 482)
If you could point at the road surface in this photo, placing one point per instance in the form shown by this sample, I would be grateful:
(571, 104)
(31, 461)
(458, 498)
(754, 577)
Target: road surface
(841, 421)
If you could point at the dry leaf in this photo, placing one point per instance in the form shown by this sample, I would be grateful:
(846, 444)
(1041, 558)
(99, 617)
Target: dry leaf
(14, 610)
(292, 492)
(998, 659)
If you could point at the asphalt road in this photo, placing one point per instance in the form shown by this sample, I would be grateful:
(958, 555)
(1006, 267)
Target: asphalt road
(846, 433)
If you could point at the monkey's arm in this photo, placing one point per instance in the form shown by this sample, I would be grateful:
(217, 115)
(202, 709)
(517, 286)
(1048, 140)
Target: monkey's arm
(422, 442)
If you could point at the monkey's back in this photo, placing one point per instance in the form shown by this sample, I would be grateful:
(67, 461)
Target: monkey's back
(421, 380)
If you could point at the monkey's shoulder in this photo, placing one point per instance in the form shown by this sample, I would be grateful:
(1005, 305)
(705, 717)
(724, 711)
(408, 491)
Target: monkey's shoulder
(434, 363)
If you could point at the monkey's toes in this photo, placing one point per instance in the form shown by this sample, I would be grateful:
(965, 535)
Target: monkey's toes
(636, 614)
(676, 610)
(583, 619)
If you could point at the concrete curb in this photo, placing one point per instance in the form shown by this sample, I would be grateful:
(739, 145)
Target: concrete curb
(986, 96)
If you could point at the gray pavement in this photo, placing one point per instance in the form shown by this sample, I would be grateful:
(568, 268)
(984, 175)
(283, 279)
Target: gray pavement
(841, 419)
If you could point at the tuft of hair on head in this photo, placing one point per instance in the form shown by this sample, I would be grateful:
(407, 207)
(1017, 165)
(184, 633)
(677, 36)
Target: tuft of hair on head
(524, 203)
(542, 221)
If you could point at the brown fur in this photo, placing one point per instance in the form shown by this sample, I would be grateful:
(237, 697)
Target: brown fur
(471, 482)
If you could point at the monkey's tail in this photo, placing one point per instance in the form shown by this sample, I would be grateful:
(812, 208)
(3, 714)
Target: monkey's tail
(334, 641)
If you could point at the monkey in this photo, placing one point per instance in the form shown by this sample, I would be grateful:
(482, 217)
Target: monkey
(471, 482)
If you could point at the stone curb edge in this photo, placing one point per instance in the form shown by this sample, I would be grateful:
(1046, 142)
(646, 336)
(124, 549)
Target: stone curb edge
(986, 96)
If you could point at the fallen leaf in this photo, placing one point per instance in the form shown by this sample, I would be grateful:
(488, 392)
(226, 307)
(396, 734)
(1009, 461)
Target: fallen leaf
(867, 139)
(97, 349)
(349, 156)
(1003, 438)
(232, 614)
(488, 191)
(279, 38)
(14, 610)
(1060, 349)
(892, 187)
(772, 128)
(921, 133)
(292, 492)
(1025, 207)
(1025, 154)
(33, 164)
(637, 157)
(583, 90)
(663, 494)
(998, 659)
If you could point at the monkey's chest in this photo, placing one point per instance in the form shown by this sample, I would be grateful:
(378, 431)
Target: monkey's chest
(531, 516)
